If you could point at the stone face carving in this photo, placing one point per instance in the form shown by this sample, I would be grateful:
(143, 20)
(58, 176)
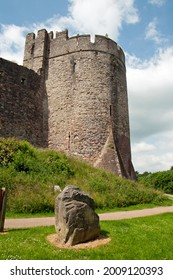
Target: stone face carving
(76, 222)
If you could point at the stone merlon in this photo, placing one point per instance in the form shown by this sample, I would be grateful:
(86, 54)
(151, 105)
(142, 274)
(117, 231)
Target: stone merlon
(74, 99)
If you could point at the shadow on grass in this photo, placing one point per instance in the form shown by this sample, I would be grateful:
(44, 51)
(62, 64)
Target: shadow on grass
(105, 233)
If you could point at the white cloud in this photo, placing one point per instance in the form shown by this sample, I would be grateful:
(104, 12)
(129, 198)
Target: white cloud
(150, 88)
(95, 17)
(100, 16)
(143, 147)
(12, 39)
(152, 162)
(153, 34)
(84, 16)
(158, 158)
(158, 3)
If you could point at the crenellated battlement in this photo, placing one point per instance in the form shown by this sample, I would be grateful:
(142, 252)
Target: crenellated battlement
(49, 45)
(74, 100)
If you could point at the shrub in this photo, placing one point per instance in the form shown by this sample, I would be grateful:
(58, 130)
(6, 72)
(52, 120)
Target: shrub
(31, 200)
(16, 153)
(8, 147)
(160, 180)
(56, 163)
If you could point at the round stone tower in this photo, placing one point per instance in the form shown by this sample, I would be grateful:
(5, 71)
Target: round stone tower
(86, 97)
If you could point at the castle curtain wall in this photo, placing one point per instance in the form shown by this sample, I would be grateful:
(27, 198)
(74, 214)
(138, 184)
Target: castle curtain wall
(21, 104)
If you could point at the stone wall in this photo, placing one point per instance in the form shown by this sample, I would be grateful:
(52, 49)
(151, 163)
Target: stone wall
(22, 99)
(87, 97)
(80, 93)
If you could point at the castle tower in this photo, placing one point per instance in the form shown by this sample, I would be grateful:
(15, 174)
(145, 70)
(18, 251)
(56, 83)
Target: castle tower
(87, 97)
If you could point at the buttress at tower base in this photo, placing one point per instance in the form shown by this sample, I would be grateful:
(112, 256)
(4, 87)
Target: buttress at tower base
(70, 95)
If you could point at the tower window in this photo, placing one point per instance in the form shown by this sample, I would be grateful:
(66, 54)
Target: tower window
(74, 67)
(110, 110)
(69, 136)
(1, 73)
(32, 49)
(23, 81)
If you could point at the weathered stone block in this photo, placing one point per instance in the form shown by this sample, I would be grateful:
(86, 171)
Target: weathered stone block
(76, 222)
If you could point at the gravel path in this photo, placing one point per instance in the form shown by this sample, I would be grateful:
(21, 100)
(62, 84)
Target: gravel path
(48, 221)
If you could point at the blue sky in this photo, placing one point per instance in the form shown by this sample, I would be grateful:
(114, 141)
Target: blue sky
(28, 12)
(143, 29)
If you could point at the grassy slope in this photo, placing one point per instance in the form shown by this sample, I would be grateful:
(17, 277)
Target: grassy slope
(30, 174)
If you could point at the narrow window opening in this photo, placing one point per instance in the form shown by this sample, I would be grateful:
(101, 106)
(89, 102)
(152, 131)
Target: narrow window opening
(110, 110)
(74, 67)
(69, 136)
(23, 81)
(1, 73)
(32, 48)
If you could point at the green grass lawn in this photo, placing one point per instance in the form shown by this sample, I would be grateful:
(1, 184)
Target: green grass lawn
(148, 238)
